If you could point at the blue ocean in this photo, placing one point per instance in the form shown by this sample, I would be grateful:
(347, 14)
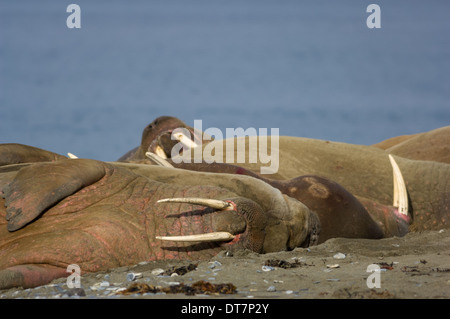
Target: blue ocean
(310, 68)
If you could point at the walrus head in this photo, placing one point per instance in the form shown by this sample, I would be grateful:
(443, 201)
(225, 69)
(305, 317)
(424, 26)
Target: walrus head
(245, 224)
(160, 136)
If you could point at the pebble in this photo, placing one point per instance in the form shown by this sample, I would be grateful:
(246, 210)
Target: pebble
(214, 264)
(157, 271)
(288, 292)
(271, 289)
(267, 268)
(133, 276)
(172, 283)
(339, 256)
(333, 266)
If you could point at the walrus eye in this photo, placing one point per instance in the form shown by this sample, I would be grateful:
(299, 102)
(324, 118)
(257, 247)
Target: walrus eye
(208, 237)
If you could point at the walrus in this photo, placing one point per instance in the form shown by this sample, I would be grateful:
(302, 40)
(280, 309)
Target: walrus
(428, 146)
(15, 153)
(157, 138)
(103, 215)
(364, 171)
(341, 214)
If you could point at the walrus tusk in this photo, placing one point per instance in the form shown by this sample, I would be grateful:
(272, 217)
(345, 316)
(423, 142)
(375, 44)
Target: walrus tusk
(400, 193)
(158, 160)
(72, 156)
(208, 237)
(186, 141)
(213, 203)
(160, 152)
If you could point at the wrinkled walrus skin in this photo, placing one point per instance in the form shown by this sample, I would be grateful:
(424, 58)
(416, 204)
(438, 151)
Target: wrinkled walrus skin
(104, 215)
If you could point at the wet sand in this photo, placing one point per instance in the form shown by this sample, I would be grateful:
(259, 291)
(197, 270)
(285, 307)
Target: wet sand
(416, 266)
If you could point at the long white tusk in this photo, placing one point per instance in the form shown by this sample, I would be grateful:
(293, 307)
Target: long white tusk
(209, 237)
(72, 156)
(158, 160)
(400, 193)
(213, 203)
(160, 152)
(185, 140)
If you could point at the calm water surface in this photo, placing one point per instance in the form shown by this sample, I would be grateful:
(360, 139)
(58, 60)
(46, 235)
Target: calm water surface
(309, 68)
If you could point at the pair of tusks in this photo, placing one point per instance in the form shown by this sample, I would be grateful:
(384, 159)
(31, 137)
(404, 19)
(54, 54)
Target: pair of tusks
(400, 202)
(208, 237)
(182, 138)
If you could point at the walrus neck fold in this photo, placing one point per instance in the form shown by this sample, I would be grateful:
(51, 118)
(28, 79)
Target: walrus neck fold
(304, 227)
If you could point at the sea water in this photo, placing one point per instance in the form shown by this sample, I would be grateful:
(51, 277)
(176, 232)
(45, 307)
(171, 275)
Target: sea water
(309, 68)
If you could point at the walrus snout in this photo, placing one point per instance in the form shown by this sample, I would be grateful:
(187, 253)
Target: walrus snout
(239, 220)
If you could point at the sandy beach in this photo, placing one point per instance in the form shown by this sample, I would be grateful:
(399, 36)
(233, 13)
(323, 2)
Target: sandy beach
(416, 266)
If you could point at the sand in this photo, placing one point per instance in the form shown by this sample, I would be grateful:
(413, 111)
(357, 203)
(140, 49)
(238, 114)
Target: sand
(415, 266)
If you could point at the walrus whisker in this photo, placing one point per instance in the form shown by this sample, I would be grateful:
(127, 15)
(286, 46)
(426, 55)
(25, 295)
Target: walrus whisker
(400, 193)
(72, 156)
(160, 152)
(208, 237)
(213, 203)
(158, 159)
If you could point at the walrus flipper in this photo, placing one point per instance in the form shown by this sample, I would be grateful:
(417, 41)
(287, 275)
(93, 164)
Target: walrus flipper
(29, 276)
(39, 186)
